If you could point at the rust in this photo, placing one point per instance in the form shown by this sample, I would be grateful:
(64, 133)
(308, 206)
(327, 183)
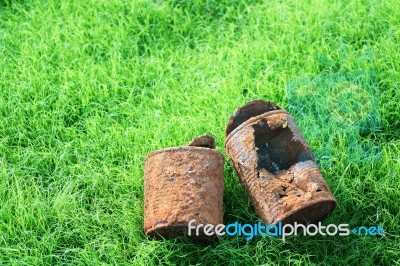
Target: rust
(276, 165)
(181, 184)
(203, 141)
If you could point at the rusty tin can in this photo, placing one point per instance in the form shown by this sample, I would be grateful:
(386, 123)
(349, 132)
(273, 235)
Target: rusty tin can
(276, 166)
(182, 184)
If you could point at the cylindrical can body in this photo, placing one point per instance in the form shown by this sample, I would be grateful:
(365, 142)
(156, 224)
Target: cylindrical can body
(276, 166)
(182, 184)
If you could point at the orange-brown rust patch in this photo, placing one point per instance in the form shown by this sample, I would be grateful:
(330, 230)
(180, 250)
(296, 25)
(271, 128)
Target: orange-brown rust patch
(182, 184)
(276, 166)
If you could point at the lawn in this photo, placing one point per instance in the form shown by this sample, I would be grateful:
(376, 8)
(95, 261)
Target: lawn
(89, 88)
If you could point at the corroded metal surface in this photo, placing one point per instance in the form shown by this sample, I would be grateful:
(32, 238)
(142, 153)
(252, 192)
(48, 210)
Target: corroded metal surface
(181, 184)
(275, 164)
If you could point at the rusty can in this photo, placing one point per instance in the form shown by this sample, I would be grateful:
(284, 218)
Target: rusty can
(183, 184)
(276, 165)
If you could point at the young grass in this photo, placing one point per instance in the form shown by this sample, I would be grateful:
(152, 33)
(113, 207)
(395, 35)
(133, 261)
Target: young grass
(88, 88)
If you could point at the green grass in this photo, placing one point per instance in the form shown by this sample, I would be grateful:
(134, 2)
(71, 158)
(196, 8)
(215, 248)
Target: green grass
(88, 88)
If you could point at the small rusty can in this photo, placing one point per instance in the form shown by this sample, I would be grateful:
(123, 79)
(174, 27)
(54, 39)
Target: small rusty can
(183, 184)
(276, 166)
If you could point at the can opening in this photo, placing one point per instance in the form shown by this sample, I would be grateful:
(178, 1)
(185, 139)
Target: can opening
(251, 109)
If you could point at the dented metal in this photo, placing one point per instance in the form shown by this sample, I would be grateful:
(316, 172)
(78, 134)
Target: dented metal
(276, 166)
(181, 184)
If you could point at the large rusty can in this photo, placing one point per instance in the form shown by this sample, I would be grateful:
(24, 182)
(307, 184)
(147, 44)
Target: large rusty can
(276, 166)
(183, 184)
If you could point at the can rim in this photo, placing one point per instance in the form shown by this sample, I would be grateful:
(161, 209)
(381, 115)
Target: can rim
(252, 119)
(183, 149)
